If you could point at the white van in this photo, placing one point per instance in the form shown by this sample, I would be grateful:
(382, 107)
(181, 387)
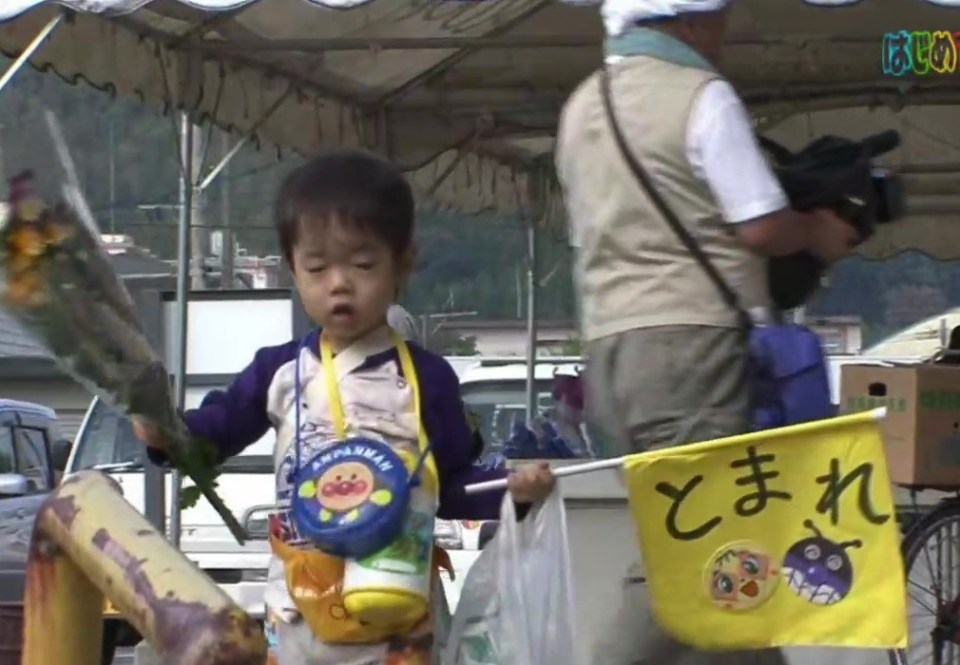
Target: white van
(495, 390)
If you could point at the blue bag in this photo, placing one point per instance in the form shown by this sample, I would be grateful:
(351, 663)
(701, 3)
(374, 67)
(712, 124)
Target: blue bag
(788, 374)
(788, 370)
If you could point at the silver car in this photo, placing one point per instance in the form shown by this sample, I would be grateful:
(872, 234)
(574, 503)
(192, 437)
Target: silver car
(32, 456)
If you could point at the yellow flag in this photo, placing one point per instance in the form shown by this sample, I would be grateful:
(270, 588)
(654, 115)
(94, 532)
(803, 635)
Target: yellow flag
(775, 538)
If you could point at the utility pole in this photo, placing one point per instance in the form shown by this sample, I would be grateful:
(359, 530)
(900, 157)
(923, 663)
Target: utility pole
(226, 258)
(198, 232)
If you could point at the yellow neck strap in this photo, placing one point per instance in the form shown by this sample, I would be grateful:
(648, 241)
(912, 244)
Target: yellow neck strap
(409, 373)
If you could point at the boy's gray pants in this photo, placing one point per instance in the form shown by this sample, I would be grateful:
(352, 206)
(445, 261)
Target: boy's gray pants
(650, 388)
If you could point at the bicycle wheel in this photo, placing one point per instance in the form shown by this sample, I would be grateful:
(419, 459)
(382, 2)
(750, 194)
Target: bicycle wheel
(931, 556)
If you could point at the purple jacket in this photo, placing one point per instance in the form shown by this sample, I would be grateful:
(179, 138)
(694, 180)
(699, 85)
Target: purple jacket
(235, 418)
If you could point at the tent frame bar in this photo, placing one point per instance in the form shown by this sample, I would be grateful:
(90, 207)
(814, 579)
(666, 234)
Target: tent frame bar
(223, 163)
(250, 133)
(28, 52)
(324, 44)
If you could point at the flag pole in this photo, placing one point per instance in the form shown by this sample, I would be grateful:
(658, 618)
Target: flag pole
(572, 470)
(602, 465)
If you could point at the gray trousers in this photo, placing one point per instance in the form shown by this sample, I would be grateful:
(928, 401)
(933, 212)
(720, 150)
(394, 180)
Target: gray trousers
(647, 389)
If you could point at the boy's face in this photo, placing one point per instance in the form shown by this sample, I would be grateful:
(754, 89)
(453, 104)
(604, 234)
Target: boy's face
(347, 279)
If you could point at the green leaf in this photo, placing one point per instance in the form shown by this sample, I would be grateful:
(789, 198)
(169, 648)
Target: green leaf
(189, 496)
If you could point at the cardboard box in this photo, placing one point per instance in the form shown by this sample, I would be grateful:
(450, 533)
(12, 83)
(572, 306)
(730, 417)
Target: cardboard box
(922, 429)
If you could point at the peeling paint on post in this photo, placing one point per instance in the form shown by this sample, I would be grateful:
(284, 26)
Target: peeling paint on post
(62, 609)
(184, 616)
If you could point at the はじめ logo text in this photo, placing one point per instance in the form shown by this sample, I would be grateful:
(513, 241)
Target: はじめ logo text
(920, 52)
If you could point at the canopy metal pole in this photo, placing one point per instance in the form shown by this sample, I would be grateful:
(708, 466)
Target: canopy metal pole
(531, 321)
(226, 252)
(183, 293)
(28, 52)
(238, 146)
(199, 233)
(223, 163)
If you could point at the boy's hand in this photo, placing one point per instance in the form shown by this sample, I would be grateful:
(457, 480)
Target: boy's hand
(147, 432)
(531, 483)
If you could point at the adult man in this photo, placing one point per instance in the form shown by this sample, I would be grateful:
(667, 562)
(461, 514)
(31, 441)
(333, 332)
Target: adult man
(667, 356)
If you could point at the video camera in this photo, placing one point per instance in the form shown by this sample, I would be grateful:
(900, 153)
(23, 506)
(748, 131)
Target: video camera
(836, 173)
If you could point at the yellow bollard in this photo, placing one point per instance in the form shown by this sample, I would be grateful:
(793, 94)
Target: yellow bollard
(186, 618)
(63, 610)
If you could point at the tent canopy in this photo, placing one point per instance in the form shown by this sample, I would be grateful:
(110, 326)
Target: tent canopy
(465, 95)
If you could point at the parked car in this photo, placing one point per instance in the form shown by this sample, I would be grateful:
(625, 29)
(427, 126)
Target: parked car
(32, 456)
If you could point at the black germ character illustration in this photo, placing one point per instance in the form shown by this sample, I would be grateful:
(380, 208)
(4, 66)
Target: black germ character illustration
(818, 569)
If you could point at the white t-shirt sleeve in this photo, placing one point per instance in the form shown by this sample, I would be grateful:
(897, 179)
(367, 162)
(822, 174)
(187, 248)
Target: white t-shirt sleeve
(724, 152)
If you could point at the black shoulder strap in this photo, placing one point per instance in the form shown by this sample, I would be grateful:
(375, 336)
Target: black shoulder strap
(726, 292)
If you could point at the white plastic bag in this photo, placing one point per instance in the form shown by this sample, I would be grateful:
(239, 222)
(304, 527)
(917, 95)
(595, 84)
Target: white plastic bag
(516, 607)
(441, 623)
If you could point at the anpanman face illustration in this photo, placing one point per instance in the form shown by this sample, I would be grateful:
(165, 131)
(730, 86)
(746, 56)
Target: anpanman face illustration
(344, 486)
(344, 490)
(741, 576)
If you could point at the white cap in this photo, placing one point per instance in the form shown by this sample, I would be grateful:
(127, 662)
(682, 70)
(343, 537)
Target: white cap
(620, 14)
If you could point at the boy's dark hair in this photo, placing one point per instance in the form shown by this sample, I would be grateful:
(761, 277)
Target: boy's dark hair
(353, 186)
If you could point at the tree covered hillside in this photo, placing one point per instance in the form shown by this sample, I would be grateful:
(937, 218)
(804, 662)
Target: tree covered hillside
(466, 263)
